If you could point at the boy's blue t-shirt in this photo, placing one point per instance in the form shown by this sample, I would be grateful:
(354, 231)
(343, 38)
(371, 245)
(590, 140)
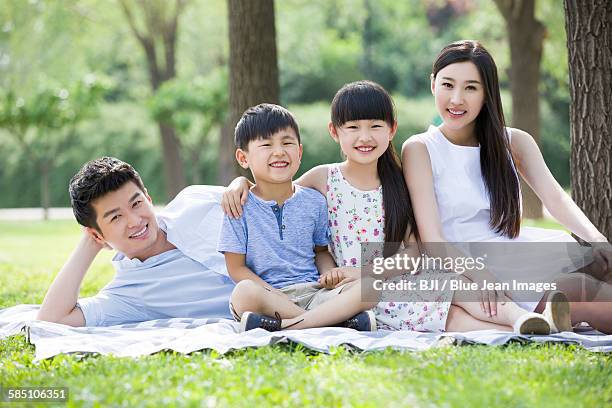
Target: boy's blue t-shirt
(279, 241)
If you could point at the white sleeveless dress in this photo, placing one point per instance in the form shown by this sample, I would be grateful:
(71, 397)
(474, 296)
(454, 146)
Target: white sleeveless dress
(357, 216)
(464, 211)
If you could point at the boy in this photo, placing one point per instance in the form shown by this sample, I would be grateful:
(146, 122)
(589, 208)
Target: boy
(154, 279)
(277, 248)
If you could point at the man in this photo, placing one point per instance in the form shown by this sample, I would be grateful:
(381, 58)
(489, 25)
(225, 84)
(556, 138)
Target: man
(154, 279)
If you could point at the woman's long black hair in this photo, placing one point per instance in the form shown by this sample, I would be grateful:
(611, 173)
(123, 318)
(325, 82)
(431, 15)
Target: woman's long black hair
(496, 163)
(367, 100)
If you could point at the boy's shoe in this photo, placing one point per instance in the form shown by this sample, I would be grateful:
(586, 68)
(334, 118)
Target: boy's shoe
(251, 320)
(557, 311)
(532, 323)
(364, 321)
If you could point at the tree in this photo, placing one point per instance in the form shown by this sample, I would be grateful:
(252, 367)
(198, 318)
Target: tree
(194, 108)
(253, 69)
(589, 41)
(157, 34)
(526, 38)
(44, 126)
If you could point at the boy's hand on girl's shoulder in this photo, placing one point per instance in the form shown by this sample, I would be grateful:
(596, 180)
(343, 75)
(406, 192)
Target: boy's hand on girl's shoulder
(339, 276)
(235, 197)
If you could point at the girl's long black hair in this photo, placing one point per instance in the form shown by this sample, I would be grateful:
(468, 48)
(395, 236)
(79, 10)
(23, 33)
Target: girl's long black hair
(496, 163)
(367, 100)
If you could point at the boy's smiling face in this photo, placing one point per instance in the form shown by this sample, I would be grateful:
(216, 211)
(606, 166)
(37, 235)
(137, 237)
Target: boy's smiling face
(272, 160)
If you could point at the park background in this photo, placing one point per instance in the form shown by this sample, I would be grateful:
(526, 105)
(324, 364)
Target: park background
(76, 83)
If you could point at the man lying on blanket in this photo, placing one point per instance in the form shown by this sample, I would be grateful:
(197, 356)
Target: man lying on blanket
(154, 279)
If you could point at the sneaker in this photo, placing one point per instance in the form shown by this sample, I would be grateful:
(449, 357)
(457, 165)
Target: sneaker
(532, 323)
(557, 311)
(251, 320)
(364, 321)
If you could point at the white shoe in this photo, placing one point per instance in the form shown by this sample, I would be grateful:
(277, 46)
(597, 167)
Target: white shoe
(557, 312)
(532, 323)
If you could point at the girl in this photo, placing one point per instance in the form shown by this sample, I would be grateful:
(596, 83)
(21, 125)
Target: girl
(368, 201)
(464, 184)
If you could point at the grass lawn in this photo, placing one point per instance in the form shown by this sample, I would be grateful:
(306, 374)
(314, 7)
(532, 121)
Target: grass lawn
(288, 375)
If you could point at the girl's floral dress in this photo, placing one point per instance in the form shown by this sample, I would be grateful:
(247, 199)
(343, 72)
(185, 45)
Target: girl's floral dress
(356, 217)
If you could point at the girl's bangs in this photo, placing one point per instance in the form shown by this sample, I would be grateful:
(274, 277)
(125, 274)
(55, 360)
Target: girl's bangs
(362, 104)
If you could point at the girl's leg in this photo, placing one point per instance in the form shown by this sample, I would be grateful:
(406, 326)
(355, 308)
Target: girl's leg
(248, 296)
(345, 305)
(459, 320)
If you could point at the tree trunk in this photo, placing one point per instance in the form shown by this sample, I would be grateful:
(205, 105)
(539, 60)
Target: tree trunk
(158, 37)
(226, 170)
(589, 41)
(526, 38)
(367, 39)
(173, 163)
(45, 200)
(253, 67)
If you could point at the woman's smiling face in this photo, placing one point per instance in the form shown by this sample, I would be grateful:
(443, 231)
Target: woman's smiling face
(459, 94)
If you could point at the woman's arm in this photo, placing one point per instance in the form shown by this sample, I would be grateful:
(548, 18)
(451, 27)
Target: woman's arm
(419, 178)
(532, 167)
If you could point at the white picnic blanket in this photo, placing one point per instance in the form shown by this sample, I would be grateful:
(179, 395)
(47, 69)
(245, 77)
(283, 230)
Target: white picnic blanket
(188, 335)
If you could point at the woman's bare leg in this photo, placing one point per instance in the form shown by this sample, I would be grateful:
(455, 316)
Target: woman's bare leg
(590, 300)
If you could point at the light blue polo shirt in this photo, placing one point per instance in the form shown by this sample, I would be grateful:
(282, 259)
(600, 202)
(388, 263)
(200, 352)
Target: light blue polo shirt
(164, 286)
(279, 241)
(190, 281)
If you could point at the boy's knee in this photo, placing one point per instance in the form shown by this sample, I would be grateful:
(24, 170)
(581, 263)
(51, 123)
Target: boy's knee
(246, 295)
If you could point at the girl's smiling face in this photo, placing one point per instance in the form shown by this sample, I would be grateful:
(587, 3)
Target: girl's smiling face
(459, 95)
(363, 141)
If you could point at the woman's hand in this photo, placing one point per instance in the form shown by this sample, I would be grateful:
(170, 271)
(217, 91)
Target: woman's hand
(235, 196)
(602, 252)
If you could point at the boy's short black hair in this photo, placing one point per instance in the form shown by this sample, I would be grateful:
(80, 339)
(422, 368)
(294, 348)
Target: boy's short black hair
(95, 179)
(261, 122)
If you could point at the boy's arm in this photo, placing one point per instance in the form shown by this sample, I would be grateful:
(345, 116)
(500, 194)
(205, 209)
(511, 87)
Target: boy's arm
(323, 260)
(237, 270)
(59, 305)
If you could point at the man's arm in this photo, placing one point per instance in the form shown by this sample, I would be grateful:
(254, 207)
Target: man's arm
(60, 301)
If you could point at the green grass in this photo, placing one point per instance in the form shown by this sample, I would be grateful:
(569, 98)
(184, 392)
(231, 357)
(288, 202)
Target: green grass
(288, 375)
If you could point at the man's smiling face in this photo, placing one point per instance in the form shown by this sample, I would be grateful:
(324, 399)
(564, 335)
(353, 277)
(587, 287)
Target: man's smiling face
(127, 222)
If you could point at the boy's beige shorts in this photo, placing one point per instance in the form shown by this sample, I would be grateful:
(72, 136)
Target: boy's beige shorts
(309, 295)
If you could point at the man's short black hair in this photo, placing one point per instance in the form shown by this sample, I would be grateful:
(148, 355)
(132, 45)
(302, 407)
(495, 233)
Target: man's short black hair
(261, 122)
(95, 179)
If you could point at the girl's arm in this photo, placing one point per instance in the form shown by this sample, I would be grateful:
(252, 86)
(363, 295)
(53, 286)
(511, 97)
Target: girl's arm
(532, 167)
(315, 178)
(235, 195)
